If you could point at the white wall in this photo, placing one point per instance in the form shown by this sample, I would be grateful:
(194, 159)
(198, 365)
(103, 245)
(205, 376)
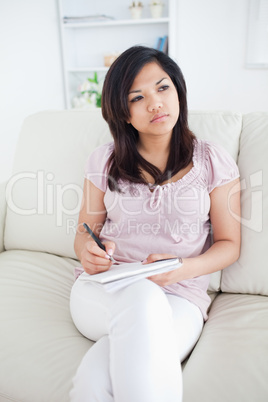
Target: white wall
(212, 36)
(30, 68)
(211, 52)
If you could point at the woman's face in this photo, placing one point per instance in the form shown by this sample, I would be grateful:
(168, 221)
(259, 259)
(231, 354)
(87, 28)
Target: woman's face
(153, 102)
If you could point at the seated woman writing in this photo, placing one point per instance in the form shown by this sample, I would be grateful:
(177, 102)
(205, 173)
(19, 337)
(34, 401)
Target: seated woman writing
(154, 192)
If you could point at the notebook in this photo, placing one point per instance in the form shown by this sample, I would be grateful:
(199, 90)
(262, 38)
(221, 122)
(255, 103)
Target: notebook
(124, 274)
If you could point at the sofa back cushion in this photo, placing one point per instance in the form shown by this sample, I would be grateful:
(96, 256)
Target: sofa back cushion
(45, 190)
(44, 193)
(250, 274)
(222, 128)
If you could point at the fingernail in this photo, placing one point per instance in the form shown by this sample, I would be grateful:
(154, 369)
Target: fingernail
(107, 256)
(144, 261)
(110, 252)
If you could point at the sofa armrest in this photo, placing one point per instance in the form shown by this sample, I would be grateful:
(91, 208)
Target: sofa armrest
(3, 208)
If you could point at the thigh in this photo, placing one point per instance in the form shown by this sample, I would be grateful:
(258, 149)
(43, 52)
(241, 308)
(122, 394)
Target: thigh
(94, 310)
(89, 306)
(188, 323)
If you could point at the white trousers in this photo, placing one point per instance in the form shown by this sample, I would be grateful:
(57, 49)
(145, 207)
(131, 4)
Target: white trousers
(141, 336)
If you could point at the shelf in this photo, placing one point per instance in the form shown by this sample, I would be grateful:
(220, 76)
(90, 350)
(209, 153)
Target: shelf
(85, 41)
(86, 69)
(115, 23)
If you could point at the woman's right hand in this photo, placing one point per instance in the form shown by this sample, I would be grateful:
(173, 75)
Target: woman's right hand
(95, 260)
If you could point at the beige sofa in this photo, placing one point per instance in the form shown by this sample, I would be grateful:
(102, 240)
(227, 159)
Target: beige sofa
(40, 348)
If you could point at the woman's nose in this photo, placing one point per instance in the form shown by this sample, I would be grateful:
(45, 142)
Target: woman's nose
(154, 104)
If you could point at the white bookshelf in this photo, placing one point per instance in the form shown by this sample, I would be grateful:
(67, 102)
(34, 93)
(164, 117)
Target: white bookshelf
(84, 44)
(103, 24)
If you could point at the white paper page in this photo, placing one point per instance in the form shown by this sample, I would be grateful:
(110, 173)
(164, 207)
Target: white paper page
(117, 272)
(121, 283)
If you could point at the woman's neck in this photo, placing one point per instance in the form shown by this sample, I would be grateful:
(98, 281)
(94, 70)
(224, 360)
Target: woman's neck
(155, 150)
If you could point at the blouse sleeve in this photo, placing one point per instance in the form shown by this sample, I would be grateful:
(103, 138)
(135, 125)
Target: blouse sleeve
(221, 167)
(96, 166)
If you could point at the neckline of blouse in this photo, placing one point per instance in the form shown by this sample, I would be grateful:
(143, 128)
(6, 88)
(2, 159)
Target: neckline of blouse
(184, 181)
(187, 178)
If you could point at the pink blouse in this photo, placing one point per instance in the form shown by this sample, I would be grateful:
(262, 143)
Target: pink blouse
(172, 218)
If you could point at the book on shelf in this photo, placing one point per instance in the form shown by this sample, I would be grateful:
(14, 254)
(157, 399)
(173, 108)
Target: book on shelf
(87, 18)
(119, 276)
(162, 44)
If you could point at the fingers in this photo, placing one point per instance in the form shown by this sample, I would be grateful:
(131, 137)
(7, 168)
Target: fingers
(155, 257)
(109, 247)
(160, 279)
(95, 260)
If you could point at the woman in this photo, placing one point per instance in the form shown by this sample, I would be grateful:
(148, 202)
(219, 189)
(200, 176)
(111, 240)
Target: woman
(153, 193)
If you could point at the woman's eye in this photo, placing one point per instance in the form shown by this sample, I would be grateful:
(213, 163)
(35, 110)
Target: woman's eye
(163, 88)
(136, 99)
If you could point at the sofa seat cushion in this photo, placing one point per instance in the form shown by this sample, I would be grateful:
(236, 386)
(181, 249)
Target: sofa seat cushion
(229, 363)
(40, 346)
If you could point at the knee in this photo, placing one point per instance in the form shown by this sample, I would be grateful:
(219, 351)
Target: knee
(142, 299)
(143, 291)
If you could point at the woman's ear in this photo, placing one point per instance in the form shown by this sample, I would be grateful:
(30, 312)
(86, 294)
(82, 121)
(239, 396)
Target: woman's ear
(128, 120)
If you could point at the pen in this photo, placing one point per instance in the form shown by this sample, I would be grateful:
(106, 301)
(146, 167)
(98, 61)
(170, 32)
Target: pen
(95, 238)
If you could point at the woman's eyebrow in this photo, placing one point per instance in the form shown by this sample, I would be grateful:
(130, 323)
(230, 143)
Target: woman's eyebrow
(139, 90)
(158, 82)
(134, 91)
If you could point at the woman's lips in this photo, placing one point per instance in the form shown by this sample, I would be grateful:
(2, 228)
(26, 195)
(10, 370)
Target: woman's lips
(159, 117)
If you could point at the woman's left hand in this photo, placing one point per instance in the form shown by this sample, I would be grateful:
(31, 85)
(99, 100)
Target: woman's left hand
(167, 278)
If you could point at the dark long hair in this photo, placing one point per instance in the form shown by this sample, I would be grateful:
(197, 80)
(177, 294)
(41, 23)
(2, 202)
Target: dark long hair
(125, 161)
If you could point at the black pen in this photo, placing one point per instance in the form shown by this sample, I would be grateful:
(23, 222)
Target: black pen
(95, 238)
